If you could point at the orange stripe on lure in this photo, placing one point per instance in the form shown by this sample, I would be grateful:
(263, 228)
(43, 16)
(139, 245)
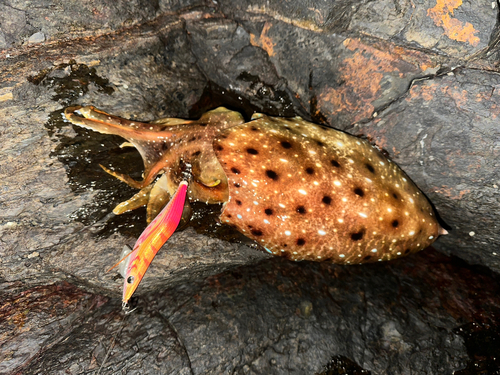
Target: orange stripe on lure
(151, 240)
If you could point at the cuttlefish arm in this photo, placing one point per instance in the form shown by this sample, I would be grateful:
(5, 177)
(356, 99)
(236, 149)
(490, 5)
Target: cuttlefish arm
(151, 240)
(140, 199)
(148, 138)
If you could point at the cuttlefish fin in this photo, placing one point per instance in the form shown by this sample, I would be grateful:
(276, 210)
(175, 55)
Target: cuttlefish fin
(152, 239)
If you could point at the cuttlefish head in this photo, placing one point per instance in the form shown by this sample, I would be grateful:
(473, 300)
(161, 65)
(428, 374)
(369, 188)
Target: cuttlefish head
(171, 148)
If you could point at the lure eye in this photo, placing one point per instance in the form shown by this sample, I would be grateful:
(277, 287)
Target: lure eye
(130, 280)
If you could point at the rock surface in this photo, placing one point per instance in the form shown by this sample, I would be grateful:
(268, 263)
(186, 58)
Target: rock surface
(407, 316)
(420, 80)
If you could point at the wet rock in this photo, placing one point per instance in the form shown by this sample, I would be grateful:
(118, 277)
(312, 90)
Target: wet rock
(37, 318)
(399, 317)
(458, 109)
(457, 29)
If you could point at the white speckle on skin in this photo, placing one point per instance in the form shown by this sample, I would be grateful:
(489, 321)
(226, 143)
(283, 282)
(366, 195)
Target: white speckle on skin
(373, 250)
(266, 221)
(321, 232)
(288, 233)
(341, 220)
(472, 233)
(389, 210)
(256, 203)
(411, 233)
(239, 216)
(281, 205)
(302, 192)
(336, 183)
(341, 255)
(363, 215)
(431, 237)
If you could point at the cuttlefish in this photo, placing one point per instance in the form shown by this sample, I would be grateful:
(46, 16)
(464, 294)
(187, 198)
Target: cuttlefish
(300, 190)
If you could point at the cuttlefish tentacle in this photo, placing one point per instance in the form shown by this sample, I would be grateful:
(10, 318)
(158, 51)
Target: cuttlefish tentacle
(127, 179)
(145, 137)
(169, 146)
(140, 199)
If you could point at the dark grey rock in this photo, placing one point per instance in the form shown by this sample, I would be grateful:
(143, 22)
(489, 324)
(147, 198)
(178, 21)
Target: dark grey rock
(444, 134)
(276, 317)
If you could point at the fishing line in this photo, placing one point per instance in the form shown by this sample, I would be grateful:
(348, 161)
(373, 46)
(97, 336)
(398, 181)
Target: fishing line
(113, 341)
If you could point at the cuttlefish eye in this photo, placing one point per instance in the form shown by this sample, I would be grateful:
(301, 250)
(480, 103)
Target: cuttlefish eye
(130, 280)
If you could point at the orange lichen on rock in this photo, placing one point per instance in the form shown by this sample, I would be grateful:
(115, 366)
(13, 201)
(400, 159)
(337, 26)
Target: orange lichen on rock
(451, 192)
(363, 73)
(263, 40)
(454, 29)
(426, 92)
(459, 96)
